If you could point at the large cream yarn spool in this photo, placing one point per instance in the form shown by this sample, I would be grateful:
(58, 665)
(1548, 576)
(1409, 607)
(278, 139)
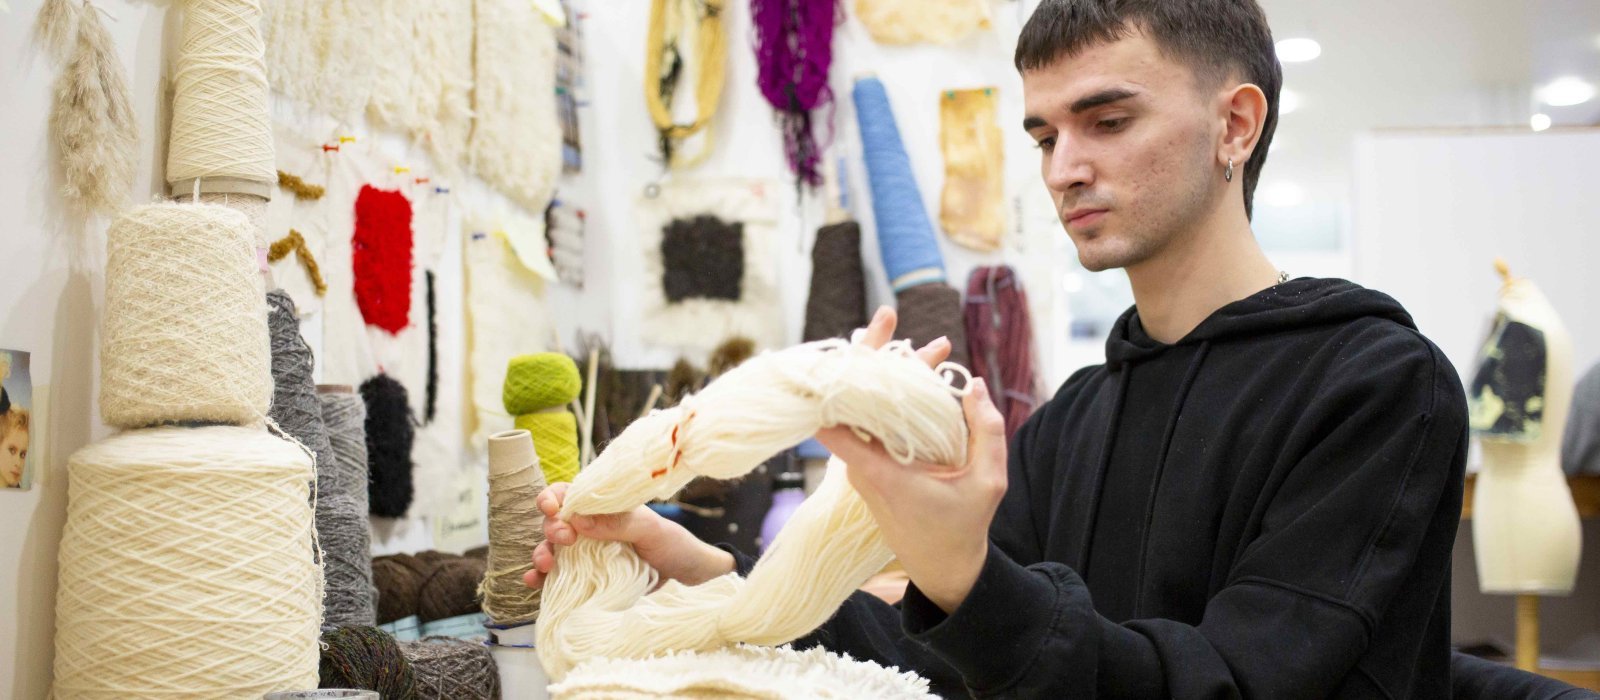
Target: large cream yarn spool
(185, 328)
(599, 601)
(186, 567)
(221, 131)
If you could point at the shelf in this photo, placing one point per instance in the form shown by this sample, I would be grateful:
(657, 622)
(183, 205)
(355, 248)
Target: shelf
(1585, 492)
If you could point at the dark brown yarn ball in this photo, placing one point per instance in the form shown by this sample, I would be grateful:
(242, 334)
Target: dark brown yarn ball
(477, 553)
(365, 658)
(433, 557)
(399, 584)
(452, 589)
(682, 380)
(730, 354)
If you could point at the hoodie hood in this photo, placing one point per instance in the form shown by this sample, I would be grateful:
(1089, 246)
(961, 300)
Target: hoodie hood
(1298, 303)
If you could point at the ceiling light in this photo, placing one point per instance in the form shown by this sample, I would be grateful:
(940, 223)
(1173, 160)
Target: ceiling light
(1298, 50)
(1288, 101)
(1567, 91)
(1282, 194)
(1539, 122)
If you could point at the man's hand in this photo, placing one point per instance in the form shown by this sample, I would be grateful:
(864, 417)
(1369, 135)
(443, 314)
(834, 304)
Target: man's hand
(664, 545)
(934, 517)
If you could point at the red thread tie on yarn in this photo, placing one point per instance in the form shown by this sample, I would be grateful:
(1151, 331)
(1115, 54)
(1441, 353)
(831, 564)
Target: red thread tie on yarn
(381, 258)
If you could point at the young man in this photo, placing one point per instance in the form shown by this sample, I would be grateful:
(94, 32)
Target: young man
(1255, 496)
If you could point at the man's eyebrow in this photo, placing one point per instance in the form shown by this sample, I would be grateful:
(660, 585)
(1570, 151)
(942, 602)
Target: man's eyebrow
(1032, 123)
(1104, 97)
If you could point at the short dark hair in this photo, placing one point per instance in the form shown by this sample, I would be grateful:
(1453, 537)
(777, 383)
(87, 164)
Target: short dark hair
(1218, 38)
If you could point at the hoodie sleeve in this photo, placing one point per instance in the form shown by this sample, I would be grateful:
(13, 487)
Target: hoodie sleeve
(865, 627)
(1368, 470)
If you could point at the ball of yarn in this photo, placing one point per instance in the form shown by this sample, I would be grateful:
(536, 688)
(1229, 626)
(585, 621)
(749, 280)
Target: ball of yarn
(399, 586)
(366, 658)
(451, 589)
(184, 336)
(555, 438)
(730, 354)
(452, 669)
(480, 552)
(432, 557)
(186, 567)
(390, 433)
(541, 381)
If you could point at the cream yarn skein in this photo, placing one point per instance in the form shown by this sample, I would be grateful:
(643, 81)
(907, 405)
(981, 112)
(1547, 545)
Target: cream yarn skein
(186, 567)
(740, 672)
(184, 336)
(598, 602)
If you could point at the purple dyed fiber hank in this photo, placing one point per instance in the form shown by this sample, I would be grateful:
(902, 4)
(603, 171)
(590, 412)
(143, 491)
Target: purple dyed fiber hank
(794, 47)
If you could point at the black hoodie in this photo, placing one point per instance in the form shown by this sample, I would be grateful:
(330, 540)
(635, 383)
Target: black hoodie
(1264, 509)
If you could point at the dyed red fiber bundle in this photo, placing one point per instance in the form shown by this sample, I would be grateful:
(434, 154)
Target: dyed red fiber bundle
(1000, 338)
(381, 258)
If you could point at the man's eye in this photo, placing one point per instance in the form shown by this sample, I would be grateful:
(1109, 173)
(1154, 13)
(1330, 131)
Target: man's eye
(1046, 143)
(1113, 124)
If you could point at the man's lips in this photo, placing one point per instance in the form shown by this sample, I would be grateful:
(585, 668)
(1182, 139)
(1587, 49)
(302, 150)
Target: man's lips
(1083, 217)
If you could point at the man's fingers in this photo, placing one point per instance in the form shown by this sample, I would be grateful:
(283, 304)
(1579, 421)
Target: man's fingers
(544, 557)
(986, 429)
(881, 329)
(935, 352)
(559, 532)
(621, 527)
(551, 498)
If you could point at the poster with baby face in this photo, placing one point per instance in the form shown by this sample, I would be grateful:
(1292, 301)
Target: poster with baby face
(16, 420)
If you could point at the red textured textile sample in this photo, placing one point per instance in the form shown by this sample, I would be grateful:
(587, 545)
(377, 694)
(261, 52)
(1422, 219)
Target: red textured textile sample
(381, 258)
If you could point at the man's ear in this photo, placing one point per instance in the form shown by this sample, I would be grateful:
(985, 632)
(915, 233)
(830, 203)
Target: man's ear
(1244, 112)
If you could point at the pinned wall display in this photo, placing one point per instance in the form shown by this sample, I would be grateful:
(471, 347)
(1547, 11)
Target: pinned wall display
(708, 264)
(506, 317)
(972, 207)
(425, 51)
(381, 258)
(319, 53)
(569, 80)
(564, 228)
(296, 219)
(391, 430)
(516, 134)
(794, 49)
(684, 35)
(919, 21)
(91, 119)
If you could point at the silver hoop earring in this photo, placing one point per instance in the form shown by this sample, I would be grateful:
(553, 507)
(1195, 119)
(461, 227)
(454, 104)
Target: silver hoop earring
(1227, 175)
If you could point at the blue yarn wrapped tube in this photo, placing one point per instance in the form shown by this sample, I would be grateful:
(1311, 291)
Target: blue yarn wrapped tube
(905, 234)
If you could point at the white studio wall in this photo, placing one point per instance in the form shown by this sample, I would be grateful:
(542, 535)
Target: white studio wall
(1434, 210)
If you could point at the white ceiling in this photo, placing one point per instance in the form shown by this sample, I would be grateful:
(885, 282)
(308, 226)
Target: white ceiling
(1417, 64)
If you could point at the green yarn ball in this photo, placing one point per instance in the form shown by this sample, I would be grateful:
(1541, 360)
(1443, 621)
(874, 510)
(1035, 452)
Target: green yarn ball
(537, 382)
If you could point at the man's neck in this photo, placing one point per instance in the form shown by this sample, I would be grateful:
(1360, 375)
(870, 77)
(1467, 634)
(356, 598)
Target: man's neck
(1209, 267)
